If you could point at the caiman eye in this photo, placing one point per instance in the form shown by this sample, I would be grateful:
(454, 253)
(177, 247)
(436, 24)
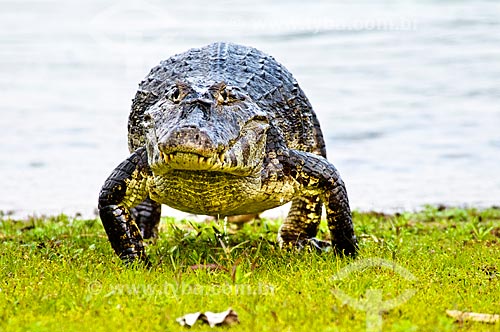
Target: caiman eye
(174, 94)
(229, 95)
(223, 97)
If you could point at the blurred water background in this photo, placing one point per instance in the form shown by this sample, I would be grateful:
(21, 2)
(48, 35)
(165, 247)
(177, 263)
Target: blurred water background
(407, 92)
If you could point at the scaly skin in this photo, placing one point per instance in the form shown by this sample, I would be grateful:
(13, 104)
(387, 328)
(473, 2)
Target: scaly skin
(224, 130)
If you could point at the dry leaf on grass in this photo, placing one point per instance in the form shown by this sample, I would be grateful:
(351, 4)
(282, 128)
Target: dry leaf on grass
(228, 317)
(473, 316)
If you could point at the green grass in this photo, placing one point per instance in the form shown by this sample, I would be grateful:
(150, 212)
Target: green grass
(60, 274)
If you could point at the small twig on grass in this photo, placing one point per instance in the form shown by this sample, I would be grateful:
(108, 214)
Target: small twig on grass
(473, 316)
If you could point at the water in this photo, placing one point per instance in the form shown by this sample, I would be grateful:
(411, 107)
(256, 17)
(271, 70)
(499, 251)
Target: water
(407, 91)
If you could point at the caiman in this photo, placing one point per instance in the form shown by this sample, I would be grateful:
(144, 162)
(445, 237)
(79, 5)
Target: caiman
(224, 130)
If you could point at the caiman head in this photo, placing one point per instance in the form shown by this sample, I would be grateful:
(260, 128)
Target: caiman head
(205, 127)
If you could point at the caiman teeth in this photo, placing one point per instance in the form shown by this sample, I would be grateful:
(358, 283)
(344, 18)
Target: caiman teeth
(210, 160)
(166, 157)
(222, 155)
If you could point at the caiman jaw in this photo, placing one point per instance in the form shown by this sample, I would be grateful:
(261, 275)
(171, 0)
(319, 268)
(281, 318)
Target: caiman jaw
(244, 158)
(191, 149)
(191, 159)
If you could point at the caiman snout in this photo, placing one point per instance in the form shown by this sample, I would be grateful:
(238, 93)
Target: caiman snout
(188, 139)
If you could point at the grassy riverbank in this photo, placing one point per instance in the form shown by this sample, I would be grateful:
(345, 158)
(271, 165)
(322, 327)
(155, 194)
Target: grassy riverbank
(59, 274)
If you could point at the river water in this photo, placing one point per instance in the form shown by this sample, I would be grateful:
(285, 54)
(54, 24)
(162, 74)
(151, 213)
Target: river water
(407, 92)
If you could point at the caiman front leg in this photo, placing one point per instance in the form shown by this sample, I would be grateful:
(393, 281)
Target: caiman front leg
(317, 177)
(147, 217)
(124, 189)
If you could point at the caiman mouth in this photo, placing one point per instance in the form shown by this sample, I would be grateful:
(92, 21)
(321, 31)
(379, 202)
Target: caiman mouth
(189, 160)
(239, 160)
(191, 149)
